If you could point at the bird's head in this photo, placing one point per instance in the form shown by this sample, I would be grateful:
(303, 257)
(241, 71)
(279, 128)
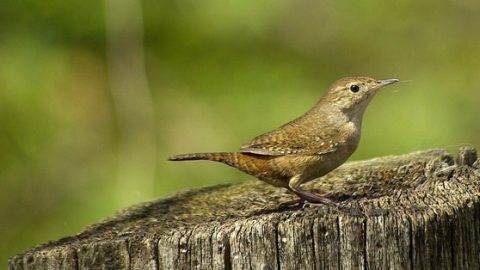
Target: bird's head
(352, 94)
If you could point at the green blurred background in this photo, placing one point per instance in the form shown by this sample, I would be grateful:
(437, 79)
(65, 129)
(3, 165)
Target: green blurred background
(96, 94)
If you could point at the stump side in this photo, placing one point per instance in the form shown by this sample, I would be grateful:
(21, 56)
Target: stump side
(411, 211)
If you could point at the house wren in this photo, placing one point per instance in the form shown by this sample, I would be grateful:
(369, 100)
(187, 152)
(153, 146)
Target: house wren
(310, 146)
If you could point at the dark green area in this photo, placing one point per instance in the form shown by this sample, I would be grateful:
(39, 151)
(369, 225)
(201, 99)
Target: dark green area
(219, 73)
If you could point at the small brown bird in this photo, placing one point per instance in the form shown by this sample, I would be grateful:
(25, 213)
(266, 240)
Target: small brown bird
(311, 145)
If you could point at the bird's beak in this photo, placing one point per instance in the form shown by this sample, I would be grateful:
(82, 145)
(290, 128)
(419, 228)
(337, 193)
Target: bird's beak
(386, 82)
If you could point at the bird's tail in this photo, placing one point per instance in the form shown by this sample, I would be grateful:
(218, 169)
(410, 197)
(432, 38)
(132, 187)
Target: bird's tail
(224, 157)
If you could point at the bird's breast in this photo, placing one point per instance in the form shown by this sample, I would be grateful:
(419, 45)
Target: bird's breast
(350, 136)
(347, 142)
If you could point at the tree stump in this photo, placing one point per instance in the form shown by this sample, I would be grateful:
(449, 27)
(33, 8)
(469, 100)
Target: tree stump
(415, 211)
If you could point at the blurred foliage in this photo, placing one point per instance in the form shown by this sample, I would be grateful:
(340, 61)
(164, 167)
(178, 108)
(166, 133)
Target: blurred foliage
(219, 73)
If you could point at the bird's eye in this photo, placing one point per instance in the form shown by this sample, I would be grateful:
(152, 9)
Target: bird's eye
(354, 88)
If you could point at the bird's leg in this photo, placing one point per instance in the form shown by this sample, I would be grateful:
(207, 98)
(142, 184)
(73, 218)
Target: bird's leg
(294, 185)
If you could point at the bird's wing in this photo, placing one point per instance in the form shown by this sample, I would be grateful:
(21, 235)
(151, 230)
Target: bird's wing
(280, 143)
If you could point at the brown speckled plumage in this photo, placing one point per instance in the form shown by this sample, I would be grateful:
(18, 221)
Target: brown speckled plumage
(310, 146)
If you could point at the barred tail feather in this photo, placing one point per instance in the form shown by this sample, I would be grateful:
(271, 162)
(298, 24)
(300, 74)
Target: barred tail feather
(224, 157)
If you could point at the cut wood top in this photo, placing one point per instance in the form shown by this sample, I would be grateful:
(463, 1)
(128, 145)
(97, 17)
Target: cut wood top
(421, 184)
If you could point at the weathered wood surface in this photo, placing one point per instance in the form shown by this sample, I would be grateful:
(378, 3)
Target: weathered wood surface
(416, 211)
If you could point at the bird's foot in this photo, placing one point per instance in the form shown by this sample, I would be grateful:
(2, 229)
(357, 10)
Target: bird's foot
(326, 201)
(312, 199)
(291, 203)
